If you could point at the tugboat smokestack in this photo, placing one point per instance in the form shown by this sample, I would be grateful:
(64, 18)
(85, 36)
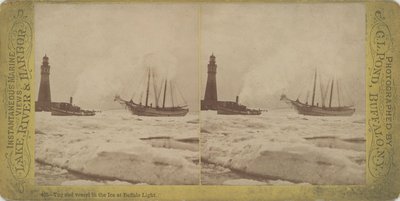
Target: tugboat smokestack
(70, 100)
(237, 99)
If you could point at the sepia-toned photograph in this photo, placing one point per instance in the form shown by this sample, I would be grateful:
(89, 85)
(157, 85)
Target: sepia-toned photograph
(199, 100)
(187, 94)
(117, 94)
(283, 94)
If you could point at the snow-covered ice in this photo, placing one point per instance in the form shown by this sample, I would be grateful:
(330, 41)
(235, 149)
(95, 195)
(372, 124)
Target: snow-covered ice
(281, 146)
(278, 147)
(116, 145)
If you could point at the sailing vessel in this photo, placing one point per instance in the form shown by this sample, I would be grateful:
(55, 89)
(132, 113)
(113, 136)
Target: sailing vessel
(156, 110)
(316, 110)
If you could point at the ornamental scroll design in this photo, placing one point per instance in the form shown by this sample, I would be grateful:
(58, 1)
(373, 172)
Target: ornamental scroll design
(19, 103)
(381, 97)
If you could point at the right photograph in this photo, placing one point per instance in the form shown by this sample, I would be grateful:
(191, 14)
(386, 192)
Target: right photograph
(283, 94)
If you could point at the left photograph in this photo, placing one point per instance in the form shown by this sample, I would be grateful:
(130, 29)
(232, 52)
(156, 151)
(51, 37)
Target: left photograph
(117, 94)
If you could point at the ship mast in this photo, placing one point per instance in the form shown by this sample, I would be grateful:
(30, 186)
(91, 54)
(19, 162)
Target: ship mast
(155, 89)
(326, 90)
(330, 98)
(337, 85)
(321, 87)
(165, 92)
(315, 82)
(148, 88)
(323, 92)
(172, 95)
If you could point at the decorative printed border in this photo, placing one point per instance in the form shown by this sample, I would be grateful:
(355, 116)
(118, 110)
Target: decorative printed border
(17, 117)
(19, 100)
(381, 97)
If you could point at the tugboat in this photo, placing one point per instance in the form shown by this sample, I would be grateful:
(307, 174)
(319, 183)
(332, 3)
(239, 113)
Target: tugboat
(155, 111)
(316, 110)
(234, 108)
(68, 109)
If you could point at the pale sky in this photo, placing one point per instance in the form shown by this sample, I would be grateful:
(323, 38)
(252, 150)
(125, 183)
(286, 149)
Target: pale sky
(262, 50)
(99, 50)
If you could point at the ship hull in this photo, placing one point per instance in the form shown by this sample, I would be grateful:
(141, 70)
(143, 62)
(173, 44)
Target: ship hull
(304, 109)
(157, 112)
(61, 112)
(229, 111)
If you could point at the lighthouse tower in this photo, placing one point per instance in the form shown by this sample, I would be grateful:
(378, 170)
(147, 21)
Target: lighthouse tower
(44, 97)
(210, 101)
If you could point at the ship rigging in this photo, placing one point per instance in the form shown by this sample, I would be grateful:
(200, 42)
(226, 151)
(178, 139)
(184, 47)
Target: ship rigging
(148, 109)
(323, 110)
